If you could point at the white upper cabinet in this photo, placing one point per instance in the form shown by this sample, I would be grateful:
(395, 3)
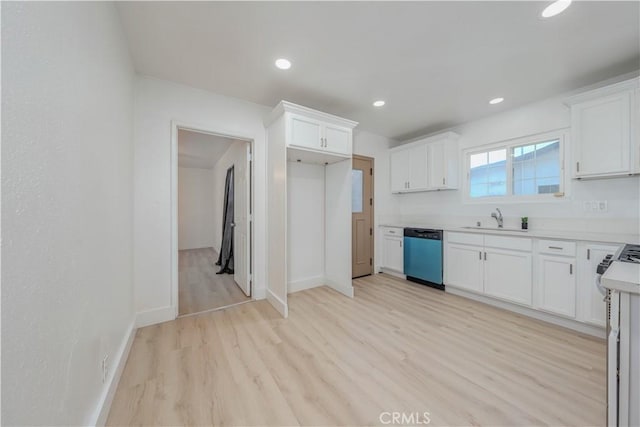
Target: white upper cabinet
(337, 139)
(399, 170)
(429, 164)
(305, 132)
(443, 165)
(604, 127)
(313, 136)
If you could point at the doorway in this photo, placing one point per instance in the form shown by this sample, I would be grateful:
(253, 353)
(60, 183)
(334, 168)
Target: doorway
(214, 226)
(362, 240)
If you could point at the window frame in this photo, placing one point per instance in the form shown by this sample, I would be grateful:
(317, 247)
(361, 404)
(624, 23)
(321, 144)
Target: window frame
(562, 135)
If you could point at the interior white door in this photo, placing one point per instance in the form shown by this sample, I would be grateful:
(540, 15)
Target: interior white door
(241, 194)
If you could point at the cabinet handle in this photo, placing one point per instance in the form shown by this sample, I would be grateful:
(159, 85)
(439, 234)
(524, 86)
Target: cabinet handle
(570, 268)
(392, 232)
(480, 255)
(588, 253)
(555, 247)
(485, 256)
(442, 181)
(577, 166)
(400, 243)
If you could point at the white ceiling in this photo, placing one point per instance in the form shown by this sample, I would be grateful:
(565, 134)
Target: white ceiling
(200, 150)
(435, 63)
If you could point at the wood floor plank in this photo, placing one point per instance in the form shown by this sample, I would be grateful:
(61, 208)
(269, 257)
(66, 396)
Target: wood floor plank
(396, 346)
(199, 287)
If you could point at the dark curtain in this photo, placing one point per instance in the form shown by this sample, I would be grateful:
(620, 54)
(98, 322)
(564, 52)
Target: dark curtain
(225, 259)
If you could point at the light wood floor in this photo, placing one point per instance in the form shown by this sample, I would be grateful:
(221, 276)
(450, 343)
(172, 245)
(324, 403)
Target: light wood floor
(199, 287)
(338, 361)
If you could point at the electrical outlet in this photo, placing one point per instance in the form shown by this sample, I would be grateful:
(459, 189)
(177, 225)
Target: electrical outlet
(105, 368)
(603, 206)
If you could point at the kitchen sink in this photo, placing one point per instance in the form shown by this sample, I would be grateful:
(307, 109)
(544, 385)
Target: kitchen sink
(496, 229)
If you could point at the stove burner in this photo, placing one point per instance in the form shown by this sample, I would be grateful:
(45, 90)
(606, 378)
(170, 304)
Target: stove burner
(630, 253)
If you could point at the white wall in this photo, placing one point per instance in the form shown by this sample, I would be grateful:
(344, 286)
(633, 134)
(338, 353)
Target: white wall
(196, 208)
(157, 103)
(234, 156)
(622, 194)
(67, 202)
(305, 225)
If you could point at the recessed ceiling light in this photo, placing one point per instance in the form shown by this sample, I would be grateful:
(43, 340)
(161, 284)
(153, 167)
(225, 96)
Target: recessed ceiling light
(496, 101)
(379, 103)
(283, 64)
(555, 8)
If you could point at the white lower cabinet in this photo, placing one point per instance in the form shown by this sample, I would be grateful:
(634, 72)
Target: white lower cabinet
(557, 284)
(594, 308)
(548, 275)
(507, 275)
(464, 267)
(473, 263)
(392, 256)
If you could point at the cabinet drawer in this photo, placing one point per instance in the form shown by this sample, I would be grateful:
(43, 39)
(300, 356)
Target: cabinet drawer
(514, 243)
(557, 247)
(465, 238)
(393, 231)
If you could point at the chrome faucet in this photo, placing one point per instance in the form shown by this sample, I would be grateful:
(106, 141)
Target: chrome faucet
(498, 217)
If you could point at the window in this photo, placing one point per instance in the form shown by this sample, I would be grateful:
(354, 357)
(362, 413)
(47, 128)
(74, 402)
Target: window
(526, 167)
(488, 173)
(357, 184)
(536, 168)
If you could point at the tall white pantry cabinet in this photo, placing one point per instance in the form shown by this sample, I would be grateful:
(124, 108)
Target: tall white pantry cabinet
(308, 202)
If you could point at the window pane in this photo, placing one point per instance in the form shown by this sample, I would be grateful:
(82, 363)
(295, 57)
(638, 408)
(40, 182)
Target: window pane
(488, 173)
(536, 168)
(357, 184)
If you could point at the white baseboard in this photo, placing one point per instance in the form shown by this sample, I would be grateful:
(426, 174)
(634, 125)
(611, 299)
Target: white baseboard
(344, 290)
(301, 285)
(258, 293)
(392, 273)
(530, 312)
(153, 316)
(106, 398)
(278, 304)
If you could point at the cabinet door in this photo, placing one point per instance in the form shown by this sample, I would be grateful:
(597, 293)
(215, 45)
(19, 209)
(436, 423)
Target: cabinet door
(557, 284)
(601, 131)
(595, 309)
(437, 165)
(337, 139)
(305, 132)
(399, 171)
(507, 275)
(393, 256)
(418, 176)
(464, 267)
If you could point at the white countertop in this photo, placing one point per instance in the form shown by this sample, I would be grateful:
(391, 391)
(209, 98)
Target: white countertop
(622, 276)
(544, 234)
